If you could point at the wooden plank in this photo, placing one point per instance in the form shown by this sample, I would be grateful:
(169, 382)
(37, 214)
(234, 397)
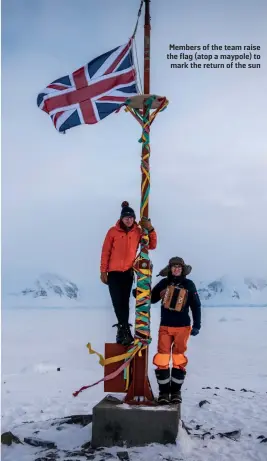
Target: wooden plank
(117, 384)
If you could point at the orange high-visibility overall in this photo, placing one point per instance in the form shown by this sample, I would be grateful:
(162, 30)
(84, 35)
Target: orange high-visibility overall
(172, 344)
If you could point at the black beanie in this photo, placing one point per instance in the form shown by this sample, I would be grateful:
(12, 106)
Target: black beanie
(126, 211)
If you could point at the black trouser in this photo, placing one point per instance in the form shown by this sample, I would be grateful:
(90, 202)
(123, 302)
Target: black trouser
(120, 285)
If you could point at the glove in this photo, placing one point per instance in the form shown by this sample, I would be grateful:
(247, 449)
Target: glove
(104, 277)
(146, 224)
(194, 331)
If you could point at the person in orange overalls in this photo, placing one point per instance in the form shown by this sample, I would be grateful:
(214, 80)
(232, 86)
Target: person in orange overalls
(177, 295)
(118, 255)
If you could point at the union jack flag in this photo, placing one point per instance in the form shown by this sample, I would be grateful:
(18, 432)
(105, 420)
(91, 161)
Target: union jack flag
(92, 92)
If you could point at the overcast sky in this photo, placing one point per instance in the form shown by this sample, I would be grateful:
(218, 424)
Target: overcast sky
(61, 193)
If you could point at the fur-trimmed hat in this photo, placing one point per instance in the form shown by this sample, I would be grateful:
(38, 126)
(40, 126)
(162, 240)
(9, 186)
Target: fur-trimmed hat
(172, 262)
(127, 211)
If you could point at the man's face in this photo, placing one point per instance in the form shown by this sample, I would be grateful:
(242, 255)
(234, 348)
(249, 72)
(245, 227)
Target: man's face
(128, 221)
(177, 270)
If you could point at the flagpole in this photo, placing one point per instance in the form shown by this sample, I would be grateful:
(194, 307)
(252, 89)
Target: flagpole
(147, 28)
(140, 386)
(145, 150)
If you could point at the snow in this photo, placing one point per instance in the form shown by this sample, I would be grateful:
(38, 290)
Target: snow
(51, 290)
(47, 290)
(234, 290)
(229, 353)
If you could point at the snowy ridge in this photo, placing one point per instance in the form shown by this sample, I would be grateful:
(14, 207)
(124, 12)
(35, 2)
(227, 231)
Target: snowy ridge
(48, 290)
(52, 290)
(234, 291)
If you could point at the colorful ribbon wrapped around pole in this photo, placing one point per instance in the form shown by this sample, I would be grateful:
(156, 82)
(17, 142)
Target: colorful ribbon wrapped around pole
(142, 265)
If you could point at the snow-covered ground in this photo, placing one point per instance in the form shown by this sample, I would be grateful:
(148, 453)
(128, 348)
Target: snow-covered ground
(54, 290)
(230, 352)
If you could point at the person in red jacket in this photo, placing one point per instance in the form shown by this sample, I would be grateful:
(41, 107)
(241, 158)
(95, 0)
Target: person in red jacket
(116, 267)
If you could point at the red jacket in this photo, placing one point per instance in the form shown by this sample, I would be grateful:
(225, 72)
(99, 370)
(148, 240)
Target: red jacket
(119, 248)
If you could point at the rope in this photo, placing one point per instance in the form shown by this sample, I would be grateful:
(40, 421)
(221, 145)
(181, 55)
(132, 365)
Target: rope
(138, 16)
(139, 84)
(138, 67)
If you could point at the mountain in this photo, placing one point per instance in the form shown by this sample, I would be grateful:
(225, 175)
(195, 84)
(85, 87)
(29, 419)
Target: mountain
(234, 291)
(48, 290)
(53, 290)
(52, 284)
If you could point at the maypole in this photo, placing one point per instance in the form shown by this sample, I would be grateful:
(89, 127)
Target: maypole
(140, 386)
(132, 373)
(140, 106)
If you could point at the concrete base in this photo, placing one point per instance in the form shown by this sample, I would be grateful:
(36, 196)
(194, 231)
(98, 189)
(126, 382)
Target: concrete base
(118, 424)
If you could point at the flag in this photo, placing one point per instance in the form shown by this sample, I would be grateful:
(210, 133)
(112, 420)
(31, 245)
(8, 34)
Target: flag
(92, 92)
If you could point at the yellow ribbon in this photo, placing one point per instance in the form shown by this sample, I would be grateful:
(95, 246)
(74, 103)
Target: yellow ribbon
(104, 362)
(118, 358)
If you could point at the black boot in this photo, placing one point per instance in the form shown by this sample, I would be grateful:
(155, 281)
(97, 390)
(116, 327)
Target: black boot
(163, 379)
(120, 333)
(124, 335)
(129, 339)
(177, 379)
